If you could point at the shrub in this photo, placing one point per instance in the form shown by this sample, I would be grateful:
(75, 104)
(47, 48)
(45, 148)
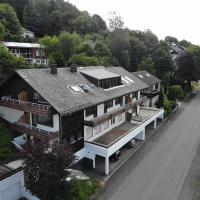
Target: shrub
(169, 106)
(171, 95)
(83, 190)
(179, 92)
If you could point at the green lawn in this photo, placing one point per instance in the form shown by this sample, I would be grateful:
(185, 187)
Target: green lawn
(6, 149)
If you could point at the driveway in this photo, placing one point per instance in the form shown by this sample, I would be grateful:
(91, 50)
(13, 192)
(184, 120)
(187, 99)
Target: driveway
(158, 170)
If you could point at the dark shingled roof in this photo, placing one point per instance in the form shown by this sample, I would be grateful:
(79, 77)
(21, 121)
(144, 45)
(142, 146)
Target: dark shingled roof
(148, 78)
(55, 88)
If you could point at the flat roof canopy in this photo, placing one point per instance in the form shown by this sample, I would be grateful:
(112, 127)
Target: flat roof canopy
(99, 74)
(114, 135)
(21, 45)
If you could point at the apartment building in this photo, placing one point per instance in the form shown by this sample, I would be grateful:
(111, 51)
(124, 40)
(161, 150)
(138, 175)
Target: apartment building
(94, 110)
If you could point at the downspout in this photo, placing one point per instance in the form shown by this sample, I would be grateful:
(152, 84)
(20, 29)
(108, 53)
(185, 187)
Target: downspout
(60, 117)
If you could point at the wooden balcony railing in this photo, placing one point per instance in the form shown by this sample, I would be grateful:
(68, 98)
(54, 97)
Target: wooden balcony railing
(34, 131)
(34, 108)
(151, 93)
(109, 115)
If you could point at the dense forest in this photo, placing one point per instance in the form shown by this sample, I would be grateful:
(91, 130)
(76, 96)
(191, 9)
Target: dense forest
(72, 36)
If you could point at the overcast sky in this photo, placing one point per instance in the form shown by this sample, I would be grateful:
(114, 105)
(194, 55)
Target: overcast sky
(178, 18)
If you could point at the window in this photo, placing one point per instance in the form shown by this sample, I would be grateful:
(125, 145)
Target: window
(97, 129)
(127, 99)
(107, 105)
(75, 88)
(156, 86)
(106, 124)
(134, 94)
(119, 100)
(127, 78)
(43, 61)
(45, 120)
(148, 75)
(38, 61)
(119, 117)
(112, 120)
(91, 111)
(109, 83)
(141, 76)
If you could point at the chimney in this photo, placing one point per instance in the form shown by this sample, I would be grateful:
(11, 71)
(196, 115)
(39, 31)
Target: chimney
(73, 68)
(53, 67)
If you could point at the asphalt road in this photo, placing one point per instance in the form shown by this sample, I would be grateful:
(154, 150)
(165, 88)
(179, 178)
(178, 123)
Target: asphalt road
(158, 170)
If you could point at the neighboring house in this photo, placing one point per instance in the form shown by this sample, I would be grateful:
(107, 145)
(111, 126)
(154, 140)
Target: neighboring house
(12, 182)
(153, 90)
(32, 52)
(95, 110)
(28, 34)
(176, 50)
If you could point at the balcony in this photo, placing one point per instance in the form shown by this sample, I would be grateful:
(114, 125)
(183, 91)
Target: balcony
(34, 131)
(151, 93)
(34, 108)
(98, 120)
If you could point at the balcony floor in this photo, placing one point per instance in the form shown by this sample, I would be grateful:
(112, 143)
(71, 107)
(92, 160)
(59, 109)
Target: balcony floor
(115, 134)
(145, 113)
(120, 131)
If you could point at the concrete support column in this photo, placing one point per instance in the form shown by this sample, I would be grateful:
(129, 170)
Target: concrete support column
(94, 162)
(107, 165)
(141, 135)
(155, 123)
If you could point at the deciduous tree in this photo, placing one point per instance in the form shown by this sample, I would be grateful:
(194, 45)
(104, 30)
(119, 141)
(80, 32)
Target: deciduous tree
(45, 168)
(9, 20)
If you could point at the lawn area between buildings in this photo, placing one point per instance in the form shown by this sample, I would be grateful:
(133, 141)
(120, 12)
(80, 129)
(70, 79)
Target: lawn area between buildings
(6, 148)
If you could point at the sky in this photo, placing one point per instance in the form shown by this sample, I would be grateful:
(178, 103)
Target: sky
(177, 18)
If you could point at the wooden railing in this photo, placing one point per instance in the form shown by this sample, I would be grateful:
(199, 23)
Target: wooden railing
(34, 131)
(109, 115)
(34, 108)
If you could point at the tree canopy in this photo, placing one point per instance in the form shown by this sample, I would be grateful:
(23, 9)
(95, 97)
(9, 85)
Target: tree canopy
(9, 23)
(45, 168)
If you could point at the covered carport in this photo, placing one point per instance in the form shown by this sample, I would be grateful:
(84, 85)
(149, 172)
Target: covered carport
(107, 144)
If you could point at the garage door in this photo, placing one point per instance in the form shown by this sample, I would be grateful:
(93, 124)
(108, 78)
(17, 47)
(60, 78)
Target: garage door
(12, 193)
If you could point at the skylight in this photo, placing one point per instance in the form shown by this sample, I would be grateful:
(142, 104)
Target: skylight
(86, 88)
(140, 76)
(130, 80)
(75, 88)
(148, 75)
(125, 80)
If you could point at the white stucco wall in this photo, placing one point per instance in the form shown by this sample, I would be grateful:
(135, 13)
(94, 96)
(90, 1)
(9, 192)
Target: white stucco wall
(10, 114)
(89, 131)
(12, 186)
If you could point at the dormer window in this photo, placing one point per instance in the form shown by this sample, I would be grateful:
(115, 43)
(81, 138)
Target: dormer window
(109, 83)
